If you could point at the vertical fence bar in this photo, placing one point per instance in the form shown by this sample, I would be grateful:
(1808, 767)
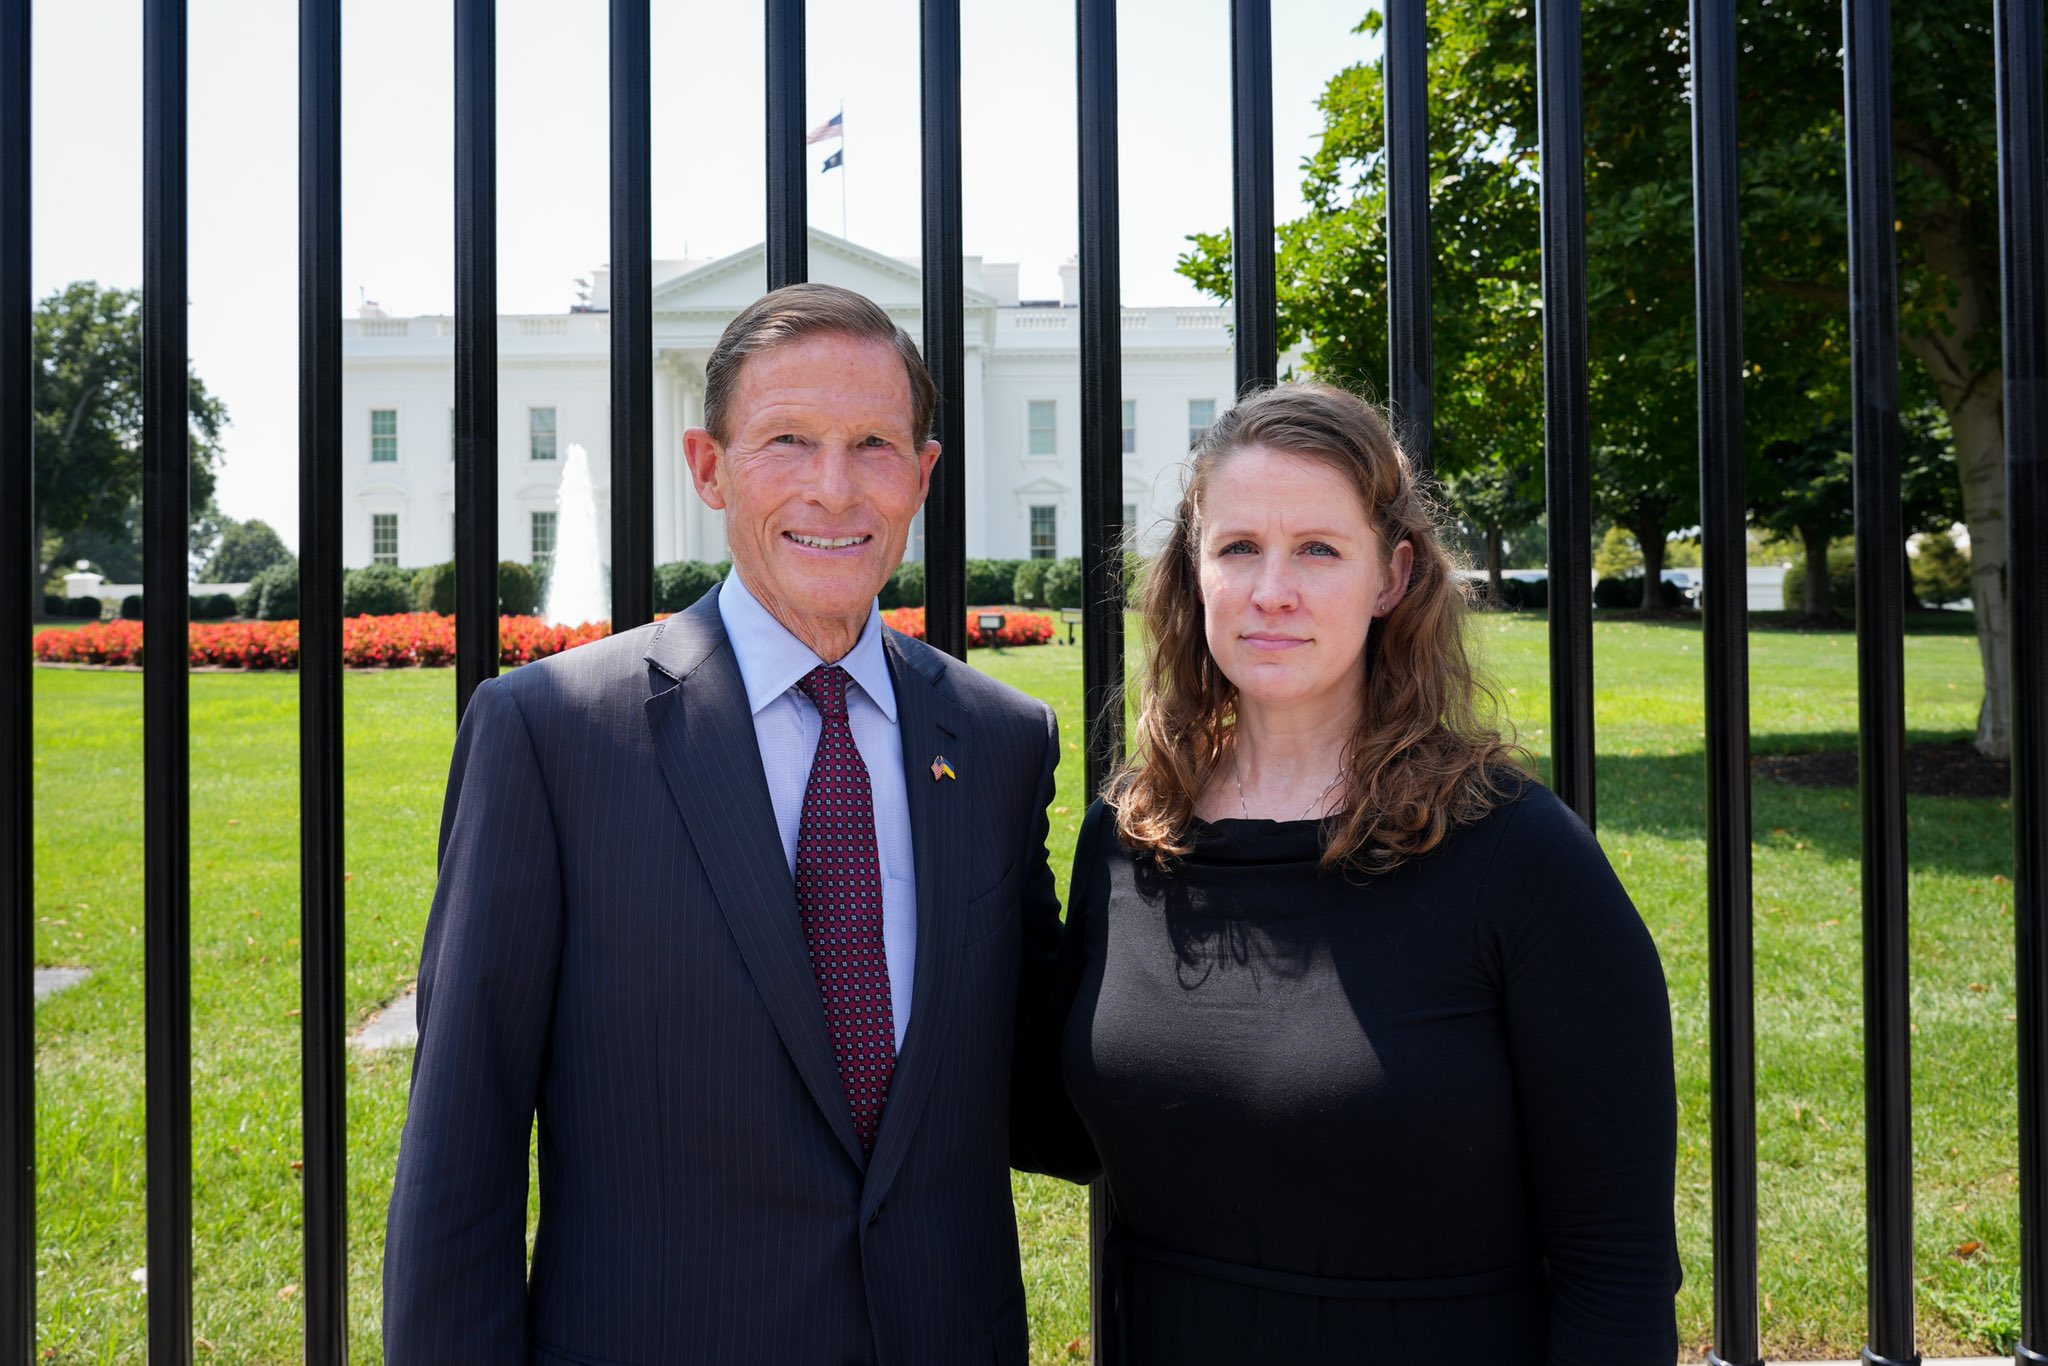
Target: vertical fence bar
(1410, 349)
(1724, 503)
(945, 329)
(632, 318)
(1880, 667)
(20, 559)
(323, 938)
(166, 787)
(1253, 294)
(1102, 477)
(476, 347)
(2023, 237)
(789, 243)
(1102, 449)
(1567, 442)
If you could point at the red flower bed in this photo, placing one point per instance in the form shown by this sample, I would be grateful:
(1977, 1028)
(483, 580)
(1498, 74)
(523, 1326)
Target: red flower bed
(1019, 628)
(112, 642)
(413, 639)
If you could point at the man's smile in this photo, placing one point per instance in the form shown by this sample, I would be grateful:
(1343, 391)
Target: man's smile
(827, 542)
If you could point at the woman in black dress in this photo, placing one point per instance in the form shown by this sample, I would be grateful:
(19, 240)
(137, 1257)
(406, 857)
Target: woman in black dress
(1368, 1041)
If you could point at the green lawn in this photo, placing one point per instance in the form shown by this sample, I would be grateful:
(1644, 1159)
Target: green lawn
(400, 729)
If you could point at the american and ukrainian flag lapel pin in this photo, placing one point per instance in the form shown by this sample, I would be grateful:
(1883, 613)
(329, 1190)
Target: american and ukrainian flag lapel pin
(942, 769)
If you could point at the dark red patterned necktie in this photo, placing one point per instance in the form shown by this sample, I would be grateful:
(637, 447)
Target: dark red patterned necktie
(839, 895)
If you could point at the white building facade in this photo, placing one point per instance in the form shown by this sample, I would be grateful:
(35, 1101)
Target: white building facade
(1023, 419)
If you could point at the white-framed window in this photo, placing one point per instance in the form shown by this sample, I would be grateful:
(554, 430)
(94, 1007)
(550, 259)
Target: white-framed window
(1130, 518)
(1041, 427)
(383, 538)
(1130, 426)
(383, 435)
(1201, 413)
(543, 524)
(1045, 531)
(540, 431)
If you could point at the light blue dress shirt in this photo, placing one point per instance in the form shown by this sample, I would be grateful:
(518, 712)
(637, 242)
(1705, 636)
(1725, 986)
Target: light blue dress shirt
(787, 727)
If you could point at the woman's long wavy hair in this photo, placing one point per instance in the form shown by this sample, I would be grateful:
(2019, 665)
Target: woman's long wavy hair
(1427, 754)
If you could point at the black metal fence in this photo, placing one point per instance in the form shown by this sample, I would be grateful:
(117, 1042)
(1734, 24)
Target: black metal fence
(2024, 219)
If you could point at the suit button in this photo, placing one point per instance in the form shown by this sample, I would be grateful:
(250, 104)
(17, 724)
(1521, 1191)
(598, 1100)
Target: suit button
(876, 1214)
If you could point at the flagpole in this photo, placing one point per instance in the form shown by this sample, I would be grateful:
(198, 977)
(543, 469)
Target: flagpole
(842, 170)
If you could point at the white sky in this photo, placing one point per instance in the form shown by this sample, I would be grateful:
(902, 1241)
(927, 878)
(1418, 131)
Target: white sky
(1018, 135)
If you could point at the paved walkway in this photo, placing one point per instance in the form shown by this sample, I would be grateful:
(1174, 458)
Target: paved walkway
(50, 981)
(395, 1026)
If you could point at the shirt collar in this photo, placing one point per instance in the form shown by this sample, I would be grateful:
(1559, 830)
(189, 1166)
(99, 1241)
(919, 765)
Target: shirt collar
(772, 660)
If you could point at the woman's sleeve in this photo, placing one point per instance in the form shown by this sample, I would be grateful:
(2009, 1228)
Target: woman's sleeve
(1589, 1037)
(1046, 1135)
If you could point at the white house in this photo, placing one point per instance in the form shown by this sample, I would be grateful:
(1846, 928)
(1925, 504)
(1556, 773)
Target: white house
(1023, 408)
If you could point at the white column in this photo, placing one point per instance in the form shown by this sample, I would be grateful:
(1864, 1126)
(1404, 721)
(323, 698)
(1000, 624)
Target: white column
(707, 523)
(664, 471)
(688, 510)
(975, 459)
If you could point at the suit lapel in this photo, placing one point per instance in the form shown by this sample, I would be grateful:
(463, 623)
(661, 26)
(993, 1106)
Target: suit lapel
(704, 735)
(932, 724)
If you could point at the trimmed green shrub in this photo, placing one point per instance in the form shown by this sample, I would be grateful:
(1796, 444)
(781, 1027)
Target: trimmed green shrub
(375, 590)
(55, 605)
(1029, 583)
(1941, 571)
(1615, 592)
(1525, 595)
(86, 608)
(273, 595)
(679, 584)
(990, 582)
(905, 587)
(1135, 567)
(211, 606)
(1064, 584)
(433, 589)
(131, 607)
(1841, 580)
(518, 589)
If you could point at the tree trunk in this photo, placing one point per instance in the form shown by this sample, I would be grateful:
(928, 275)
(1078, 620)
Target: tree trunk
(1975, 400)
(1493, 562)
(1820, 604)
(1979, 427)
(1651, 540)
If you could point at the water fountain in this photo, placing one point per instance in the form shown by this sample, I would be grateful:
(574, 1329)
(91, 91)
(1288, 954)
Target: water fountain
(576, 587)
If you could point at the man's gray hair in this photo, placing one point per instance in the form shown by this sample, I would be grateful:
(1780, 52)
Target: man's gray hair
(793, 312)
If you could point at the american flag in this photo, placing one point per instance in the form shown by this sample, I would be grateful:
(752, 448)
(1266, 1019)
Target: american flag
(830, 128)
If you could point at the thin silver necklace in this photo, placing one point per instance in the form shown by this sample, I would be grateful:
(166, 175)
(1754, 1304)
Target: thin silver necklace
(1237, 776)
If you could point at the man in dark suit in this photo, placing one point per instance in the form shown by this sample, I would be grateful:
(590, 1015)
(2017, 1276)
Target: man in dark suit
(742, 906)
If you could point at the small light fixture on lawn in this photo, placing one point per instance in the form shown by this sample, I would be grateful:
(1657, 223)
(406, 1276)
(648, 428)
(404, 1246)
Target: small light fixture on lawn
(1072, 617)
(990, 623)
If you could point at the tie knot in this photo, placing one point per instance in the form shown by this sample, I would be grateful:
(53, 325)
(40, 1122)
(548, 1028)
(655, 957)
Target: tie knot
(826, 687)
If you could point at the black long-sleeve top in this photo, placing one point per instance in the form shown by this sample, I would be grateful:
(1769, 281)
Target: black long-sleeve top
(1373, 1119)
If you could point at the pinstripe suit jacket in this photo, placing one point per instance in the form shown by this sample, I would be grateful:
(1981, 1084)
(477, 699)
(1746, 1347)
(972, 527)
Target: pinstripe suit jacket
(614, 946)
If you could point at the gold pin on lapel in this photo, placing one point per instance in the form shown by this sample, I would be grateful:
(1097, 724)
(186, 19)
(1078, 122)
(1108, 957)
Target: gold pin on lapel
(942, 769)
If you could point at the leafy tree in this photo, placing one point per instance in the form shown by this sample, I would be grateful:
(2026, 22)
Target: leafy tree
(1637, 160)
(88, 432)
(246, 549)
(1807, 490)
(273, 595)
